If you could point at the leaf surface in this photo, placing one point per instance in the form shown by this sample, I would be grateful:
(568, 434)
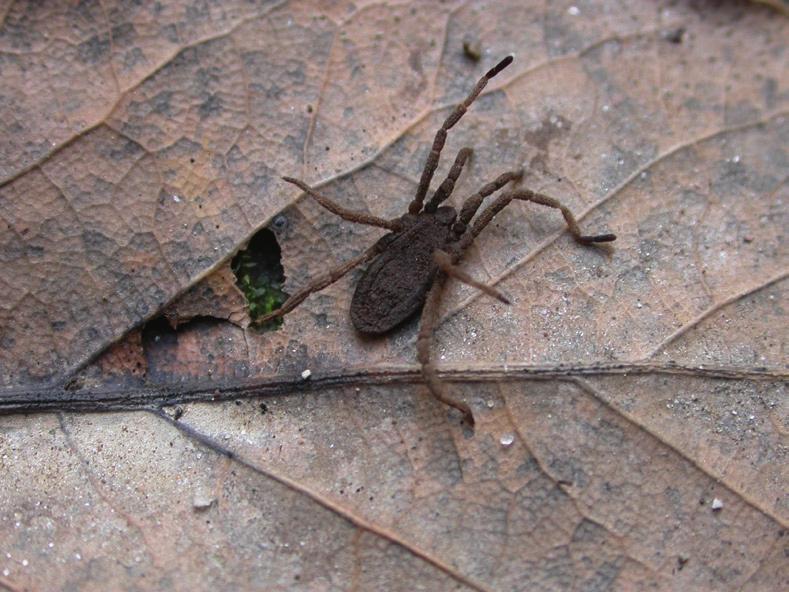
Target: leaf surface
(631, 402)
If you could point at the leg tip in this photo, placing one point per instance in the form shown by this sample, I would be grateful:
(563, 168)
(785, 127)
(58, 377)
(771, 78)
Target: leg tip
(499, 67)
(468, 416)
(268, 317)
(294, 181)
(598, 238)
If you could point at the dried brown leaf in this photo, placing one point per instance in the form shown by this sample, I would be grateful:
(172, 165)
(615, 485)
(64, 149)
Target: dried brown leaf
(631, 403)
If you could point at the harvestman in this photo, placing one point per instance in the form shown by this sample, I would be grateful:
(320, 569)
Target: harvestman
(412, 262)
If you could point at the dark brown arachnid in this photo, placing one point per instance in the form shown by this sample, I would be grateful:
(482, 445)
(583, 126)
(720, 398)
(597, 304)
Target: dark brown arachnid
(412, 262)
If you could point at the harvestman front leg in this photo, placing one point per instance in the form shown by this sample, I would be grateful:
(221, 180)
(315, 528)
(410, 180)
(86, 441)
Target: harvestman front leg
(441, 135)
(448, 185)
(471, 205)
(527, 195)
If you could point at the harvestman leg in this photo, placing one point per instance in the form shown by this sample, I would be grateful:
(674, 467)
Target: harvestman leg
(446, 264)
(334, 274)
(441, 135)
(350, 215)
(426, 327)
(448, 185)
(320, 283)
(471, 205)
(527, 195)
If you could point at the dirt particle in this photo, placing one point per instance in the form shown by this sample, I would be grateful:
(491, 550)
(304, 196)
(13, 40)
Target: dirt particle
(674, 35)
(472, 50)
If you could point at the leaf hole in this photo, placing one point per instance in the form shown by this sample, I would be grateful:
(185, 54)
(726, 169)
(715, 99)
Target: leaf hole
(260, 276)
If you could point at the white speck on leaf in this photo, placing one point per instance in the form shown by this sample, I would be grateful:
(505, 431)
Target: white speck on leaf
(201, 501)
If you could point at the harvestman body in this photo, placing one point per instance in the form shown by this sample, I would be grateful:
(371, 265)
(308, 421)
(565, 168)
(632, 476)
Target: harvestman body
(410, 264)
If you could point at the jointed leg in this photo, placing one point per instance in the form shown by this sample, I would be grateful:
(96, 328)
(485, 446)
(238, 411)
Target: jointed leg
(350, 215)
(471, 205)
(445, 264)
(527, 195)
(320, 283)
(445, 189)
(427, 324)
(441, 135)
